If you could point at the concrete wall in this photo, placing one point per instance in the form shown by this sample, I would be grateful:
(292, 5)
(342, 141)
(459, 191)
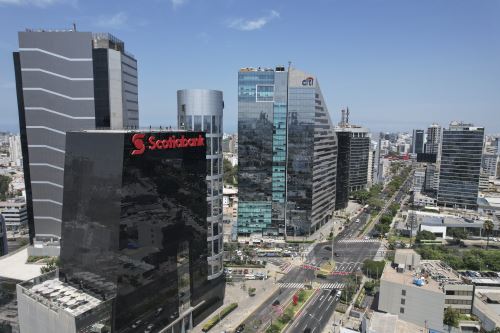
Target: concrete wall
(35, 317)
(421, 305)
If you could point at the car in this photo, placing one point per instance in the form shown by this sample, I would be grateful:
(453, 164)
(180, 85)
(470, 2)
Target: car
(338, 294)
(307, 330)
(137, 324)
(326, 258)
(240, 328)
(358, 220)
(149, 329)
(276, 302)
(249, 276)
(327, 248)
(158, 311)
(336, 254)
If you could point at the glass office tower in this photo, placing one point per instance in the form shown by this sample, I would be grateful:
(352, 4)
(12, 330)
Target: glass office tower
(135, 226)
(287, 153)
(460, 168)
(417, 142)
(352, 162)
(201, 110)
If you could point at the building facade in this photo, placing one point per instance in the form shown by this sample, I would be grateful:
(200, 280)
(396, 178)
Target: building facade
(15, 214)
(134, 237)
(352, 162)
(417, 143)
(460, 166)
(287, 153)
(201, 110)
(433, 139)
(65, 81)
(15, 153)
(3, 237)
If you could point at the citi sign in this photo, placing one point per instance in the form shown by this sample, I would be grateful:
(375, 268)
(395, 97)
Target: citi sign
(308, 81)
(139, 141)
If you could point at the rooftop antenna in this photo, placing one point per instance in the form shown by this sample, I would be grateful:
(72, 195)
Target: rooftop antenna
(347, 117)
(74, 26)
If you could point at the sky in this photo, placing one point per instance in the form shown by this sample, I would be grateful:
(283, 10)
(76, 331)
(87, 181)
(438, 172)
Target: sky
(397, 64)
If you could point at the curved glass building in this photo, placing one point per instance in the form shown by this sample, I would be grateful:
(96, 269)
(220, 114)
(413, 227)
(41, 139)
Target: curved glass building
(287, 154)
(201, 110)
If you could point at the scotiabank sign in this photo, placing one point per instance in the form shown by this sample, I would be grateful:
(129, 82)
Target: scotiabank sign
(141, 143)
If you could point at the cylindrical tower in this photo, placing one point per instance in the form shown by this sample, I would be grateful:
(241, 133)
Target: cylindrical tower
(201, 110)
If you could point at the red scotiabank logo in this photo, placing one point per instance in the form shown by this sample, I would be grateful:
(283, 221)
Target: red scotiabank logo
(139, 142)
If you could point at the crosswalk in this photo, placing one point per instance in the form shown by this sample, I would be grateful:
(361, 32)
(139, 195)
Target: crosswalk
(353, 240)
(298, 285)
(286, 267)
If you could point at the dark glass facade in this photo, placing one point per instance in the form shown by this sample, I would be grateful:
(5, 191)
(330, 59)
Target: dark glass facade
(460, 166)
(418, 141)
(286, 153)
(135, 228)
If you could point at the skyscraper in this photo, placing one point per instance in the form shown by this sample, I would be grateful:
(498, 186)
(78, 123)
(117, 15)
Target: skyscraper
(433, 139)
(460, 168)
(66, 80)
(352, 162)
(201, 110)
(417, 143)
(287, 153)
(134, 243)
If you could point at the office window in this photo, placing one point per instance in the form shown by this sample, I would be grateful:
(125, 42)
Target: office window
(403, 301)
(401, 310)
(403, 292)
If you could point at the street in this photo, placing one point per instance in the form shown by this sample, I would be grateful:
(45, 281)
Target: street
(349, 254)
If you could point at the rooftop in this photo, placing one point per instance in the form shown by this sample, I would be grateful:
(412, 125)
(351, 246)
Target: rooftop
(440, 272)
(14, 266)
(389, 323)
(408, 278)
(57, 294)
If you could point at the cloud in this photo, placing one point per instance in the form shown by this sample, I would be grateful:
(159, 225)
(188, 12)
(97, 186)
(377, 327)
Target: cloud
(254, 24)
(36, 3)
(176, 3)
(116, 21)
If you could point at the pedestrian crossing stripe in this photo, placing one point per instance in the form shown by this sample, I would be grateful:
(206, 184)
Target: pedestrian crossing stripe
(297, 285)
(358, 241)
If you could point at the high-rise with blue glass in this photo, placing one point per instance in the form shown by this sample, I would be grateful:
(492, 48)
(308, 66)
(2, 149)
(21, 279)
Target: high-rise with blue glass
(287, 153)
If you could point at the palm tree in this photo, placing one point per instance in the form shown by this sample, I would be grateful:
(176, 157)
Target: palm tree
(488, 228)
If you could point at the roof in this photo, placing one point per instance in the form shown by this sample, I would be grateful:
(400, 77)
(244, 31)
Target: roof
(407, 278)
(390, 323)
(61, 295)
(14, 266)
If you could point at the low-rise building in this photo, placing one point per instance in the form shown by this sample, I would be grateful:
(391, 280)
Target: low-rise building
(15, 214)
(487, 308)
(422, 200)
(419, 291)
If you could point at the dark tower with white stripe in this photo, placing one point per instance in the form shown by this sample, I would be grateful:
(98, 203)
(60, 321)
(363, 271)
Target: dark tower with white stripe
(58, 90)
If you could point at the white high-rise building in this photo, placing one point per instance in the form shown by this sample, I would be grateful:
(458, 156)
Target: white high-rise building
(15, 152)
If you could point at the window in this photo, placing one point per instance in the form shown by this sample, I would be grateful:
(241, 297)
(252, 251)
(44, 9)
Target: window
(207, 124)
(403, 301)
(197, 123)
(401, 310)
(265, 93)
(189, 122)
(403, 292)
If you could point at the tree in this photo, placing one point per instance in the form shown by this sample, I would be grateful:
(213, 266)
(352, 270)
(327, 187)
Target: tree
(488, 228)
(361, 196)
(230, 173)
(4, 187)
(382, 228)
(373, 269)
(458, 233)
(425, 235)
(451, 317)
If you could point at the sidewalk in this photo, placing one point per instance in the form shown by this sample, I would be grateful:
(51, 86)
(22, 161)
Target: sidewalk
(337, 318)
(246, 304)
